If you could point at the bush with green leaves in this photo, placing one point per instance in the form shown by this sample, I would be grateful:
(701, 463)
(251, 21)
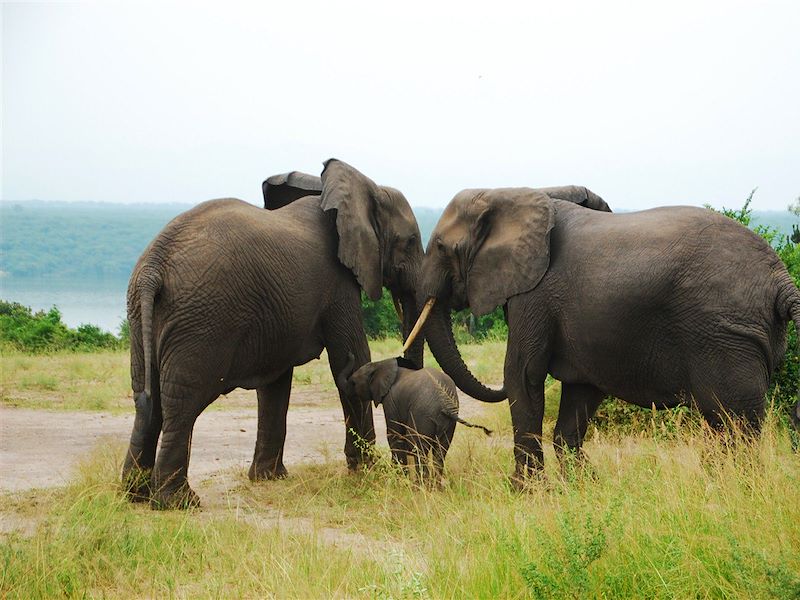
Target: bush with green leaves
(44, 331)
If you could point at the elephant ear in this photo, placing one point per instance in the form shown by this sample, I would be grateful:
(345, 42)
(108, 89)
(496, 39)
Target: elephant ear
(577, 194)
(382, 379)
(353, 196)
(283, 189)
(510, 241)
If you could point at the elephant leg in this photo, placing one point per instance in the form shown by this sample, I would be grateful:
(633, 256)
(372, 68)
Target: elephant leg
(273, 403)
(527, 412)
(399, 447)
(422, 449)
(141, 455)
(578, 404)
(439, 452)
(441, 445)
(733, 399)
(170, 486)
(344, 334)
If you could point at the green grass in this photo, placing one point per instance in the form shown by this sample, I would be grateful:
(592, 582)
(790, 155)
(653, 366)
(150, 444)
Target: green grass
(666, 511)
(66, 380)
(681, 518)
(101, 380)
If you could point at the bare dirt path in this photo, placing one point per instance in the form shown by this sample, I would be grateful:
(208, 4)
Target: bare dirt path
(40, 448)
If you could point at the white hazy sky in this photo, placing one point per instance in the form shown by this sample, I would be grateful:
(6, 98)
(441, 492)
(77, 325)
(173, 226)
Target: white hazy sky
(645, 103)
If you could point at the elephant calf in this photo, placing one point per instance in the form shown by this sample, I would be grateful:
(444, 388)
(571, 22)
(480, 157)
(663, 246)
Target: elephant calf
(420, 405)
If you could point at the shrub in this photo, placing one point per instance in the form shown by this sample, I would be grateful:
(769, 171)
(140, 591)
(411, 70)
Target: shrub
(379, 316)
(44, 331)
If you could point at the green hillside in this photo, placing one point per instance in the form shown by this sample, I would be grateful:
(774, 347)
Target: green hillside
(81, 239)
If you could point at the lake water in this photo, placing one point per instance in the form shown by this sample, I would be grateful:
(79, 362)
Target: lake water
(100, 302)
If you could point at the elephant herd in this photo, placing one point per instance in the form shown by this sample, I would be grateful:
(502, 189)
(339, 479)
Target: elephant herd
(674, 305)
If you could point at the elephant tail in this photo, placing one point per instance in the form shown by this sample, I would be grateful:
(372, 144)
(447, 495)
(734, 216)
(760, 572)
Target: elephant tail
(458, 419)
(794, 311)
(148, 288)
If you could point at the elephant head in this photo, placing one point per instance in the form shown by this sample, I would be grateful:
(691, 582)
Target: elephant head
(488, 246)
(379, 240)
(373, 380)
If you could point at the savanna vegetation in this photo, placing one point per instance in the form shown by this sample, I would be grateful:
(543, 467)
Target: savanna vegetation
(667, 509)
(664, 514)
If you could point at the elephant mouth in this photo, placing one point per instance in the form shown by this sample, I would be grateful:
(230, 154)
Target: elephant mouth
(439, 333)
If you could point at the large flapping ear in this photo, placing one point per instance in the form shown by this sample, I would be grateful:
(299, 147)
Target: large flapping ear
(510, 245)
(353, 196)
(577, 194)
(283, 189)
(382, 379)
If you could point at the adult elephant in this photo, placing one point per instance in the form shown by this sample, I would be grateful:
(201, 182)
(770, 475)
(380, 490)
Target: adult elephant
(229, 295)
(662, 307)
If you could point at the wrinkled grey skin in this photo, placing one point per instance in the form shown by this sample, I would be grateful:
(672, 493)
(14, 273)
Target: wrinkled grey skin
(421, 409)
(665, 306)
(229, 295)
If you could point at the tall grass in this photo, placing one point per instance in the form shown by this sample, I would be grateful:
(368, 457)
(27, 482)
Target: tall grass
(678, 516)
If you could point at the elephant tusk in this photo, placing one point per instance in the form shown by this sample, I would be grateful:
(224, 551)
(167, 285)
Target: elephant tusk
(420, 322)
(397, 308)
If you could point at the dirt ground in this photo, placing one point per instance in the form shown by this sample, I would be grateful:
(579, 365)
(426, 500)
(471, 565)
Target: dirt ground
(40, 448)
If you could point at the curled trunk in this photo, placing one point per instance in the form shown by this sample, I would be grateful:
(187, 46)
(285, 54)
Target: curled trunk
(439, 333)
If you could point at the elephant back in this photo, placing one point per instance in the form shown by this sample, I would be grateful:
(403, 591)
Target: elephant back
(445, 390)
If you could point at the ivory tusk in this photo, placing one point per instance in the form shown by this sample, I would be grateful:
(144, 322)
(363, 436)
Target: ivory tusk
(420, 322)
(397, 308)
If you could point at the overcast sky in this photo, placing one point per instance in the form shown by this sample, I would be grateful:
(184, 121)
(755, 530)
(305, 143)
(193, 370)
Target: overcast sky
(645, 103)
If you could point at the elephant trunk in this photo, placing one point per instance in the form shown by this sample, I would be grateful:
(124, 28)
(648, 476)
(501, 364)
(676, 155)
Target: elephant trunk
(344, 374)
(438, 331)
(409, 316)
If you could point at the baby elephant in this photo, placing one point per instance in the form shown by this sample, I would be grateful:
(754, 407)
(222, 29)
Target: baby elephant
(421, 408)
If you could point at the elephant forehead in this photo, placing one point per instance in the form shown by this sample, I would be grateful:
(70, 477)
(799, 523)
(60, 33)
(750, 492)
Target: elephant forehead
(401, 217)
(467, 205)
(451, 229)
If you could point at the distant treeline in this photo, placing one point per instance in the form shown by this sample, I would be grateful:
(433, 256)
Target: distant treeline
(89, 239)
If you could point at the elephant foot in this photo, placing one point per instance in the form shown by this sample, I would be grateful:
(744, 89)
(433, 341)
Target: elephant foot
(362, 461)
(136, 485)
(359, 466)
(574, 465)
(181, 498)
(267, 471)
(526, 479)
